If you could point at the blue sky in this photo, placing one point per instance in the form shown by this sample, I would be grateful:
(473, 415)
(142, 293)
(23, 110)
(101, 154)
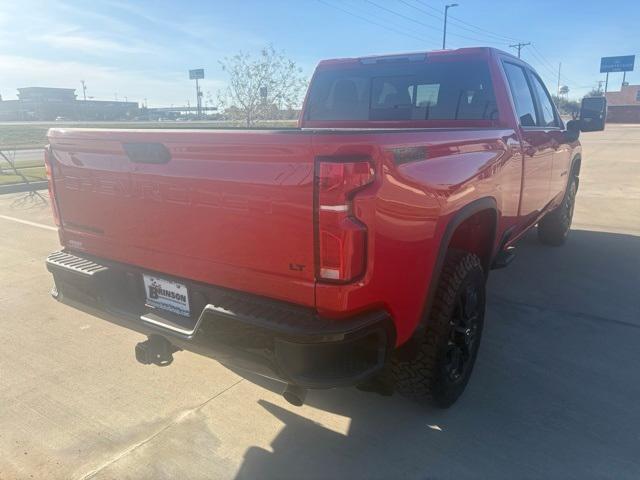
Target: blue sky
(143, 49)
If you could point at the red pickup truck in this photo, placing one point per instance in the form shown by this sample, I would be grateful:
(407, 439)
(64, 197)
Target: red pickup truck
(352, 250)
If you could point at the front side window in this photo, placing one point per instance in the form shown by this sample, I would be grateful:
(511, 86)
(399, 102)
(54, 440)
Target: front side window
(452, 90)
(548, 118)
(521, 93)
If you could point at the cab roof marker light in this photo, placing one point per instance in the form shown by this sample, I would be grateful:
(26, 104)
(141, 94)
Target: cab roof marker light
(413, 57)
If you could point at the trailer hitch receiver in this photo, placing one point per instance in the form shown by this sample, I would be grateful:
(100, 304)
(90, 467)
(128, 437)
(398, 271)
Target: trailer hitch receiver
(156, 350)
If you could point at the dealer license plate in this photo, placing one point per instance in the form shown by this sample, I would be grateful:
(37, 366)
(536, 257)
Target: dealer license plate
(166, 294)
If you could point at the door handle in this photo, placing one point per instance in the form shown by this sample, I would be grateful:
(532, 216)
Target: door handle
(528, 149)
(513, 143)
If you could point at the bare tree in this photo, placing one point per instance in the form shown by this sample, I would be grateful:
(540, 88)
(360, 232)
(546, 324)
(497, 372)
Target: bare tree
(595, 92)
(566, 106)
(261, 87)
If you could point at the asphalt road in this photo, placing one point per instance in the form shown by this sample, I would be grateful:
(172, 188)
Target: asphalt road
(555, 392)
(31, 156)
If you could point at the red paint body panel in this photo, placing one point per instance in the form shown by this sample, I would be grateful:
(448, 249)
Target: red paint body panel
(219, 212)
(408, 207)
(236, 208)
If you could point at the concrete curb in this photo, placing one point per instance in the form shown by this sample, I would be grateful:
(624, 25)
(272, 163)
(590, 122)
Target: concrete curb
(23, 187)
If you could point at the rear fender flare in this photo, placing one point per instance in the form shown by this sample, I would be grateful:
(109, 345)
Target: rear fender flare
(409, 349)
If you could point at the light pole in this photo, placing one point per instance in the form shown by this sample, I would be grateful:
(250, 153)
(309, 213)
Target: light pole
(444, 33)
(197, 74)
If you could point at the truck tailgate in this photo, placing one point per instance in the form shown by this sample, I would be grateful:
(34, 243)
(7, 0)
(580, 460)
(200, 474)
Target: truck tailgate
(229, 208)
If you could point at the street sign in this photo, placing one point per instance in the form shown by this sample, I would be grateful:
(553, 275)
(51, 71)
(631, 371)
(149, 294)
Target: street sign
(617, 64)
(196, 74)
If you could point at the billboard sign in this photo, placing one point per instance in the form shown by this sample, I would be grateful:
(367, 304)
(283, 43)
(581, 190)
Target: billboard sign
(617, 64)
(196, 74)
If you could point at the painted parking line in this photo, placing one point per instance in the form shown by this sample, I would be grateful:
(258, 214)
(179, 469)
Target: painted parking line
(27, 222)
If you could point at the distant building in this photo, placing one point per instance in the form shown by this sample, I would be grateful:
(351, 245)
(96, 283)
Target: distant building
(624, 106)
(45, 104)
(46, 94)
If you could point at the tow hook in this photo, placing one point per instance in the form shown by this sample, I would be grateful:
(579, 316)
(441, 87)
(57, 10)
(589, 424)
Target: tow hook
(294, 394)
(155, 350)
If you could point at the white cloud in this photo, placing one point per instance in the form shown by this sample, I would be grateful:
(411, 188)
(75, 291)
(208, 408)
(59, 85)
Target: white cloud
(88, 44)
(115, 46)
(171, 88)
(195, 32)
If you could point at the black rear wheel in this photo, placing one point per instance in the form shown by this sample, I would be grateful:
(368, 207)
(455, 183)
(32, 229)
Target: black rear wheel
(554, 227)
(443, 364)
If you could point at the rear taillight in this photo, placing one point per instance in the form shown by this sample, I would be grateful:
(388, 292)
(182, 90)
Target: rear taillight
(341, 238)
(48, 166)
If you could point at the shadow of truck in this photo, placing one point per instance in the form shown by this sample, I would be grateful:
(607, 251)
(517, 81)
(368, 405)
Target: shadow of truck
(554, 392)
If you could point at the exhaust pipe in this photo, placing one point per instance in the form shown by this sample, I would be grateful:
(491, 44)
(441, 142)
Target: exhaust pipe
(294, 394)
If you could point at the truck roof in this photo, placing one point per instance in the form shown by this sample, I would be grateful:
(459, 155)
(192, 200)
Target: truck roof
(415, 56)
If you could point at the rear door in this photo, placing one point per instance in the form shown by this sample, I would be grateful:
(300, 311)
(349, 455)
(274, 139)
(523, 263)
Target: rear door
(538, 145)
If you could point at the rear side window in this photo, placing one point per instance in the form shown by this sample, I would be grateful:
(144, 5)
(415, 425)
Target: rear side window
(522, 96)
(453, 90)
(546, 106)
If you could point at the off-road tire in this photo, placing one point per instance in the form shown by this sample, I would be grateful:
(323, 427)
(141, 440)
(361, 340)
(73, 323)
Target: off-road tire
(427, 376)
(554, 227)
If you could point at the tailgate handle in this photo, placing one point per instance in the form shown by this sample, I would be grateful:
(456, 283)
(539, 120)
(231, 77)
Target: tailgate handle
(155, 153)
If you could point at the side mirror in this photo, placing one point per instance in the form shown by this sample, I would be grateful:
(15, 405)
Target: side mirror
(593, 113)
(572, 132)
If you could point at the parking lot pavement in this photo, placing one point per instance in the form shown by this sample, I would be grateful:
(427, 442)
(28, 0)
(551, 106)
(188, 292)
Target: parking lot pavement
(554, 393)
